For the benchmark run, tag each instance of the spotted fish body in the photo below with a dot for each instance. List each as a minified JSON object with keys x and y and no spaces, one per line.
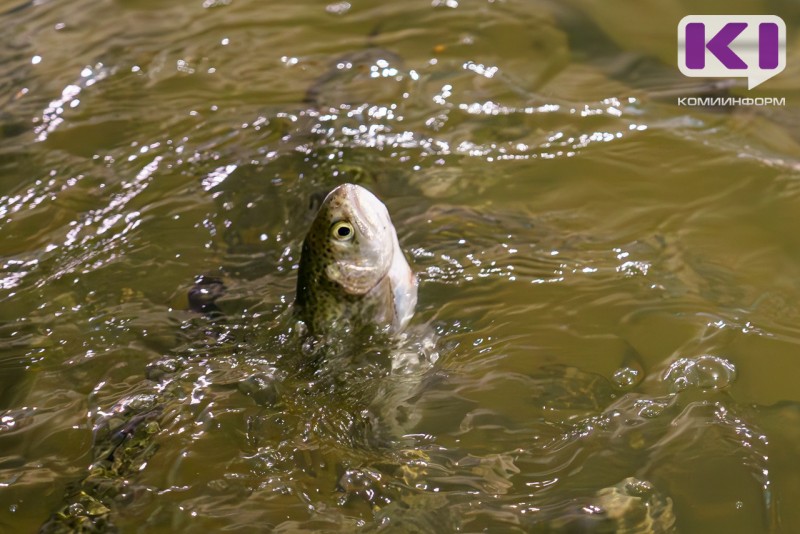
{"x":352,"y":271}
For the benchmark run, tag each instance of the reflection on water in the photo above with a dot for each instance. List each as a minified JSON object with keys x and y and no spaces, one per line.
{"x":607,"y":333}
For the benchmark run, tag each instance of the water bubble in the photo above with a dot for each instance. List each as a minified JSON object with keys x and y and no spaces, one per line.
{"x":650,"y":408}
{"x":76,"y":510}
{"x":704,"y":372}
{"x":626,"y":377}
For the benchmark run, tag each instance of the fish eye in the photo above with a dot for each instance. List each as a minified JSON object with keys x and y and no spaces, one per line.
{"x":343,"y":231}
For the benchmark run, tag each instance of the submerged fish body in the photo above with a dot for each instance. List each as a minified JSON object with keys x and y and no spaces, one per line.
{"x":352,"y":270}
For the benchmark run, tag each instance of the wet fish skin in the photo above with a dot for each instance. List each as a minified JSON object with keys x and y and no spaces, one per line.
{"x":354,"y":280}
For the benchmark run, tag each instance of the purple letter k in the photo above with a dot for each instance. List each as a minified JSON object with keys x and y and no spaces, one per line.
{"x":718,"y":45}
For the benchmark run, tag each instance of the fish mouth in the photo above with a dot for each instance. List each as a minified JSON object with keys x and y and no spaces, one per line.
{"x":355,"y":279}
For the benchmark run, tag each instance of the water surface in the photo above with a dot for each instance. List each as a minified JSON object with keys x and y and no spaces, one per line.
{"x":608,"y":281}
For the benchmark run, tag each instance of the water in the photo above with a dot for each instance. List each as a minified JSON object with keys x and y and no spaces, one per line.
{"x":609,"y":282}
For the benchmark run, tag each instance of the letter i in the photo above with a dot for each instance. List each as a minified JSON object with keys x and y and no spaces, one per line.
{"x":768,"y":45}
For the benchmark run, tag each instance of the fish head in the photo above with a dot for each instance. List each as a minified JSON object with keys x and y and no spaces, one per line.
{"x":353,"y":236}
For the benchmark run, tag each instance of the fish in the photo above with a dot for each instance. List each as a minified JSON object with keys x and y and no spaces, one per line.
{"x":353,"y":273}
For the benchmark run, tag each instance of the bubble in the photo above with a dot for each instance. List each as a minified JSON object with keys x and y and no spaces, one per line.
{"x":76,"y":510}
{"x":651,"y":408}
{"x":626,"y":377}
{"x":704,"y":372}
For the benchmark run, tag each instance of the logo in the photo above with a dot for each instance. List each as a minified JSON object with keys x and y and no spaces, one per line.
{"x":725,"y":46}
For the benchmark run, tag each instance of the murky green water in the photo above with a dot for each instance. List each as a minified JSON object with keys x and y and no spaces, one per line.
{"x":609,"y":282}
